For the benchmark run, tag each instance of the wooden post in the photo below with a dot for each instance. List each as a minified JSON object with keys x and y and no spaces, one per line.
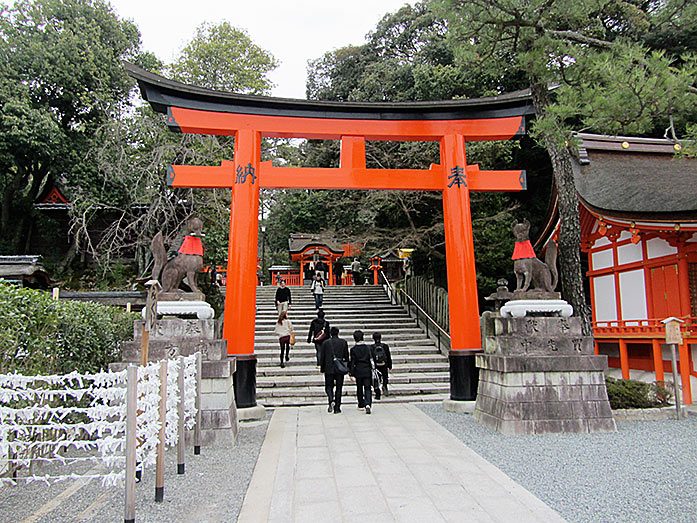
{"x":181,"y":437}
{"x":160,"y":463}
{"x":153,"y":287}
{"x":676,"y":382}
{"x":673,"y":339}
{"x":131,"y":436}
{"x":197,"y":427}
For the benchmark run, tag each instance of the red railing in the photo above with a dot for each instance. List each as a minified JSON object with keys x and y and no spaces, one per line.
{"x":291,"y":279}
{"x":649,"y":328}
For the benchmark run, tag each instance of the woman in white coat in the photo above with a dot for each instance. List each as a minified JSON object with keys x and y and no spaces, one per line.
{"x":284,"y":330}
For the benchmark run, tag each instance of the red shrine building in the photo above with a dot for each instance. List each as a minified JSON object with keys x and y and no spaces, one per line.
{"x":638,"y":210}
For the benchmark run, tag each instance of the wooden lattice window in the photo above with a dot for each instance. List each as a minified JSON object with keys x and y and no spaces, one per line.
{"x":692,"y":272}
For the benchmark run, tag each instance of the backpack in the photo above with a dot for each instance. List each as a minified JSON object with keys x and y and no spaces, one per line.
{"x":380,"y":354}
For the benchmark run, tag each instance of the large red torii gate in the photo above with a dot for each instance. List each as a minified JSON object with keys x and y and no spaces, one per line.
{"x":196,"y":110}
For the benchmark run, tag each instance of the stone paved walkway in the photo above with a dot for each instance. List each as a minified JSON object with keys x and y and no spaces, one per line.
{"x":395,"y":465}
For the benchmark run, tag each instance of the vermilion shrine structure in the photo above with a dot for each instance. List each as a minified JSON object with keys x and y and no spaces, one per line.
{"x":451,"y":123}
{"x":638,"y":212}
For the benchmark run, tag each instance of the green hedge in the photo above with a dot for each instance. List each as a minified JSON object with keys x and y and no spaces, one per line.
{"x":41,"y":335}
{"x":631,"y":394}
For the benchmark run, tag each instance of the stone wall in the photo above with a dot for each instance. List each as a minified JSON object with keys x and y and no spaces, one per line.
{"x":173,"y":337}
{"x":540,"y":375}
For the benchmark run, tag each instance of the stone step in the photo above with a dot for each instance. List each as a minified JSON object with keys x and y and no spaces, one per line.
{"x":335,"y":289}
{"x":396,"y":360}
{"x":309,"y":369}
{"x":272,"y":316}
{"x":306,"y":351}
{"x":342,"y":320}
{"x":348,"y":327}
{"x":345,"y":332}
{"x":350,"y":402}
{"x":350,"y":390}
{"x":317,"y":380}
{"x":392,"y":341}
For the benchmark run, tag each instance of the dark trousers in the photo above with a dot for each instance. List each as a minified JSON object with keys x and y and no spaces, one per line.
{"x":384,"y":377}
{"x":363,"y":391}
{"x":354,"y":276}
{"x":284,"y":343}
{"x":318,"y":300}
{"x":333,"y":385}
{"x":317,"y":349}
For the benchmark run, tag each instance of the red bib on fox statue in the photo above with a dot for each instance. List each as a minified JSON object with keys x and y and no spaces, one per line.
{"x":521,"y":250}
{"x":193,"y":245}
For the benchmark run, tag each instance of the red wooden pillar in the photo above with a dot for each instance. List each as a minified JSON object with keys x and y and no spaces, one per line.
{"x":240,"y":297}
{"x":684,"y":282}
{"x":685,"y":373}
{"x":658,"y":359}
{"x":624,"y":359}
{"x":462,"y":275}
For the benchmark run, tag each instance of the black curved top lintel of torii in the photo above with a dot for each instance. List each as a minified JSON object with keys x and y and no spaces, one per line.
{"x":163,"y":93}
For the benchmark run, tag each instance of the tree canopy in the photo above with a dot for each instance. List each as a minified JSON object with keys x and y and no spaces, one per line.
{"x":60,"y":79}
{"x":223,"y":57}
{"x":611,"y":80}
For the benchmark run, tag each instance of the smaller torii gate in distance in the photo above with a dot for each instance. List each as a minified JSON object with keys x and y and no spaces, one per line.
{"x":191,"y":109}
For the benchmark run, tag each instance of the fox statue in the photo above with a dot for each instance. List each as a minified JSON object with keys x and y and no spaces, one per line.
{"x":532,"y":273}
{"x":185,"y":264}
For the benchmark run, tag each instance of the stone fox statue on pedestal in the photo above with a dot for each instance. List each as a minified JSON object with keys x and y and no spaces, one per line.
{"x":532,"y":273}
{"x":186,"y":263}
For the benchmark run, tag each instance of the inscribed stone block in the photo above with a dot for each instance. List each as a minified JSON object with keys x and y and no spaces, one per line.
{"x":548,"y":426}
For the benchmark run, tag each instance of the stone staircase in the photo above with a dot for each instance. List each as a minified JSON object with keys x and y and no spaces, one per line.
{"x":419,"y":370}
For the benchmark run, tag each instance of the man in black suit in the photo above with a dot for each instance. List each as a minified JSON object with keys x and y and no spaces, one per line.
{"x":334,"y":347}
{"x":362,"y":369}
{"x":319,"y":332}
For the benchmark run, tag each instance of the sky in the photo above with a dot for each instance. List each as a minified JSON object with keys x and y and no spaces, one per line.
{"x":294,"y":31}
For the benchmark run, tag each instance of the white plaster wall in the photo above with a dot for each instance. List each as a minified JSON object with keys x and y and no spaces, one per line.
{"x":602,"y":259}
{"x":633,"y":296}
{"x":625,"y":235}
{"x":629,"y":253}
{"x":600,"y":242}
{"x":605,"y":298}
{"x":693,"y":238}
{"x":657,"y":247}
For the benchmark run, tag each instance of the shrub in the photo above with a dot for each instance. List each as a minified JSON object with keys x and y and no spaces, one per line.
{"x":41,"y":335}
{"x":632,"y":394}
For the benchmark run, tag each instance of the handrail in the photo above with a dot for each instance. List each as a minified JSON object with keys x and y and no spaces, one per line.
{"x":388,"y":285}
{"x":419,"y":309}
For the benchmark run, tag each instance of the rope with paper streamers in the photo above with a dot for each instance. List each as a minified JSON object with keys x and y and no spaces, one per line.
{"x":49,"y":418}
{"x":190,"y":380}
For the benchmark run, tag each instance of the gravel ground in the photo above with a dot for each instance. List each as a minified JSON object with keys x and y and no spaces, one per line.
{"x":647,"y":471}
{"x":212,"y":490}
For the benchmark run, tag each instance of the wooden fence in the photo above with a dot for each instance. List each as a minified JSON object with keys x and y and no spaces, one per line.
{"x":432,"y":299}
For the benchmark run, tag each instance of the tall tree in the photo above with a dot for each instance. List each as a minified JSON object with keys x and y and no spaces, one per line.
{"x":572,"y":44}
{"x":136,"y":149}
{"x":60,"y":79}
{"x":224,"y":57}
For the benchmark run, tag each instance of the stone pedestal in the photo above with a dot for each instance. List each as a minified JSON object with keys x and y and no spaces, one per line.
{"x":173,"y":337}
{"x":539,"y":375}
